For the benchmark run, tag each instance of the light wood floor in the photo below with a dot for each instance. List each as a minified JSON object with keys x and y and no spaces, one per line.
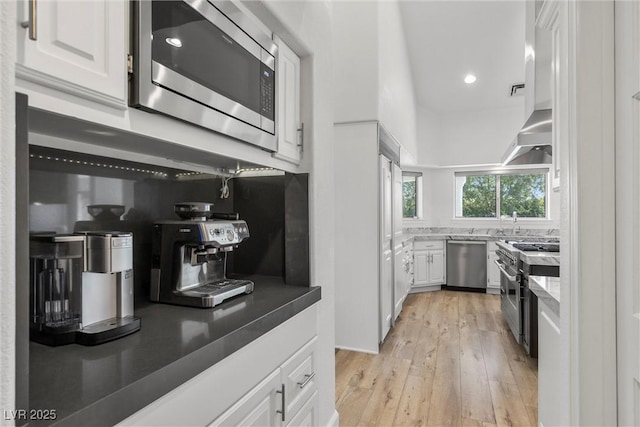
{"x":450,"y":361}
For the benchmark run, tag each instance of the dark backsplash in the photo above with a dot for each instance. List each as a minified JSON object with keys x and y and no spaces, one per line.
{"x":59,"y":193}
{"x":260,"y":202}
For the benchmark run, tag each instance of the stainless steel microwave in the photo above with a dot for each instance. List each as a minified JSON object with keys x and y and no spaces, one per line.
{"x":207,"y":63}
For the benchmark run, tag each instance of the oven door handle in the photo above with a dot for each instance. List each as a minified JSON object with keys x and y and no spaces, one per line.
{"x":505,"y":272}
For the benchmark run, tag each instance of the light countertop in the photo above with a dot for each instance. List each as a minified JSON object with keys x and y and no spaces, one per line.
{"x":547,"y":289}
{"x":534,"y":258}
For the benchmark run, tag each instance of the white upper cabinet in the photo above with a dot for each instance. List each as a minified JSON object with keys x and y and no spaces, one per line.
{"x":552,"y":19}
{"x":77,"y":47}
{"x":289,"y":128}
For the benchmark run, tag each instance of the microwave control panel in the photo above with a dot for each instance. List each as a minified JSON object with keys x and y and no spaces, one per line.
{"x":267,"y":92}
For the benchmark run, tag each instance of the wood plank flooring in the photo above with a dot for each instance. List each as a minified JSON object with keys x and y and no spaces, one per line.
{"x":451,"y":360}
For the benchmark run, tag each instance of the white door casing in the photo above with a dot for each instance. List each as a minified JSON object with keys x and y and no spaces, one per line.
{"x":627,"y":57}
{"x":400,"y":287}
{"x":583,"y":115}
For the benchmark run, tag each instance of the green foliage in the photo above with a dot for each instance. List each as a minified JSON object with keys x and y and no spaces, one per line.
{"x":409,"y":199}
{"x":524,"y":194}
{"x":479,"y":196}
{"x":521,"y":193}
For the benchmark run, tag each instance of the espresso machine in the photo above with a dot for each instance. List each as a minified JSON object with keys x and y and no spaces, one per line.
{"x":81,"y":287}
{"x":189,"y":257}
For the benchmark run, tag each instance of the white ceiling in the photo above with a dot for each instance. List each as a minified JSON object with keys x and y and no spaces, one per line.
{"x":448,"y":39}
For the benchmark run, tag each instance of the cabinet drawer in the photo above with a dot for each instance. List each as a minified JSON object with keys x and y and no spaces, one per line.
{"x":429,"y":244}
{"x":298,"y":376}
{"x":257,"y":408}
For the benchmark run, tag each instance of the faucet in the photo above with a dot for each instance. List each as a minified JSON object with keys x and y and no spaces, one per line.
{"x":500,"y":230}
{"x":514,"y":215}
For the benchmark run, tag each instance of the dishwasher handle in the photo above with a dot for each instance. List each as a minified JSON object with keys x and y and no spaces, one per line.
{"x":466,"y":242}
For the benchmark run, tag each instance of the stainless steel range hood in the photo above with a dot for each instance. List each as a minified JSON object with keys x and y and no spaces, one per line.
{"x":532,"y":145}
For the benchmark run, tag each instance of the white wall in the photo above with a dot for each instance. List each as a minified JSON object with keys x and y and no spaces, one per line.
{"x":357,"y":241}
{"x":355,"y":52}
{"x":467,"y":138}
{"x":372,"y":75}
{"x":429,"y":134}
{"x":396,"y":101}
{"x":7,"y":206}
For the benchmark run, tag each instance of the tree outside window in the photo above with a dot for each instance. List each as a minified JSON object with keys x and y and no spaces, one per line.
{"x":411,"y":198}
{"x":483,"y":195}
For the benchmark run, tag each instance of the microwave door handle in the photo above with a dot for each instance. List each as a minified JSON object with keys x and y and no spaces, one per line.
{"x":503,"y":271}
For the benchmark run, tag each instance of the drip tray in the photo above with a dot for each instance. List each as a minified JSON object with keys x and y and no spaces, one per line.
{"x":214,"y":293}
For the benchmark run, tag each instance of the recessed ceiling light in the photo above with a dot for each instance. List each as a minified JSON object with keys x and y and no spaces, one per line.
{"x":469,"y":78}
{"x":174,"y":41}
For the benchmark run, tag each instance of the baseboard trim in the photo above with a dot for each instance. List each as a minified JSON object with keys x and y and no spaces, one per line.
{"x":419,"y":289}
{"x":359,"y":350}
{"x":334,"y":421}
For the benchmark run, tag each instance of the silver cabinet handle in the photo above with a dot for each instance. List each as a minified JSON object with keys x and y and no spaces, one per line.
{"x":309,"y":377}
{"x":32,"y":23}
{"x":301,"y":131}
{"x":283,"y":403}
{"x":637,"y":96}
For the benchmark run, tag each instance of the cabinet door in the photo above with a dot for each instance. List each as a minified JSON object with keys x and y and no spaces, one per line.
{"x":550,"y":408}
{"x":308,"y":415}
{"x":298,"y":377}
{"x":436,"y":267}
{"x":386,"y":294}
{"x":400,"y":288}
{"x":80,"y":48}
{"x":420,"y":268}
{"x":288,"y":72}
{"x":259,"y":407}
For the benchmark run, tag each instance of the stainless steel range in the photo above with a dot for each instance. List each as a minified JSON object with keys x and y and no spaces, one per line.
{"x":518,"y":259}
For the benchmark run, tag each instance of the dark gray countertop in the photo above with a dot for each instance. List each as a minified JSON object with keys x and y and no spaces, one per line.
{"x":104,"y":384}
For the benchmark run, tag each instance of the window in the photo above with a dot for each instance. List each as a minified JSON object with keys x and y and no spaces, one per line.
{"x":491,"y":195}
{"x":411,"y":195}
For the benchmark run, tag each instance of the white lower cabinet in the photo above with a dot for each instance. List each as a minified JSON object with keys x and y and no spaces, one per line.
{"x":280,"y":397}
{"x":257,"y":408}
{"x":308,"y":414}
{"x":428,"y":263}
{"x":550,"y":399}
{"x":269,"y":382}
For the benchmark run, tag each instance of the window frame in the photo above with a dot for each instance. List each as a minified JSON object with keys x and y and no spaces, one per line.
{"x":498,"y":173}
{"x":419,"y":196}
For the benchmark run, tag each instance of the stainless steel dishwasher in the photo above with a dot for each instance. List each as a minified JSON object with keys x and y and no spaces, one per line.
{"x":467,"y":264}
